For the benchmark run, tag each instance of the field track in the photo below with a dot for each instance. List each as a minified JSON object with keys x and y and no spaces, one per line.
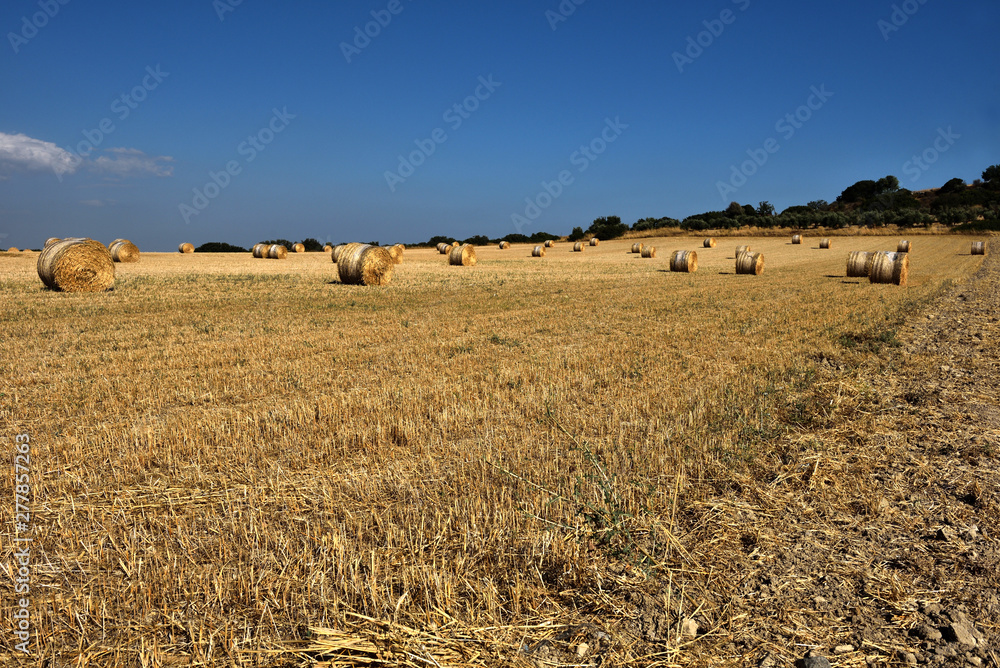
{"x":501,"y":464}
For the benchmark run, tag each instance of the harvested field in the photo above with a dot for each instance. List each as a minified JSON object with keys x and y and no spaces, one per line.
{"x":245,"y":463}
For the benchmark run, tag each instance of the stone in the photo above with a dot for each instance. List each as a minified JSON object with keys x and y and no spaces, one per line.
{"x":961,"y":634}
{"x":927,"y":632}
{"x":909,"y":658}
{"x":689,"y":627}
{"x":814,"y":662}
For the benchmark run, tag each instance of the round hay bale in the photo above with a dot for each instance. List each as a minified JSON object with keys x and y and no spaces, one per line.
{"x":742,"y":249}
{"x":709,"y":242}
{"x":578,"y":247}
{"x":51,"y":240}
{"x":859,"y":263}
{"x":686,"y":261}
{"x":595,"y":241}
{"x":538,"y":251}
{"x":299,"y":248}
{"x":463,"y":256}
{"x":979,"y":248}
{"x":649,"y":251}
{"x":13,"y":249}
{"x":796,"y":238}
{"x":637,"y":247}
{"x":396,"y":253}
{"x":277,"y":252}
{"x":363,"y":264}
{"x":260,"y":250}
{"x":903,"y":246}
{"x":123,"y":250}
{"x":549,"y":243}
{"x":186,"y":248}
{"x":504,"y":245}
{"x":824,"y":244}
{"x":890,"y":268}
{"x":339,"y":248}
{"x":750,"y":263}
{"x":443,"y":248}
{"x":327,"y":248}
{"x":77,"y":265}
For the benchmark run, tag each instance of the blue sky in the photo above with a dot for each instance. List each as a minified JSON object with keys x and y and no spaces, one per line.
{"x":304,"y":136}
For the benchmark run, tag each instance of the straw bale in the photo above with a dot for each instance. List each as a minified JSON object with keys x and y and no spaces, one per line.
{"x":538,"y":251}
{"x":578,"y":247}
{"x":463,"y":256}
{"x":649,"y":251}
{"x":903,"y":246}
{"x":277,"y":252}
{"x":824,"y":244}
{"x":890,"y":268}
{"x":685,"y":261}
{"x":750,"y":263}
{"x":859,"y":263}
{"x":979,"y":248}
{"x":77,"y":265}
{"x":123,"y":250}
{"x":637,"y":247}
{"x":364,"y":264}
{"x":595,"y":241}
{"x":186,"y":248}
{"x":709,"y":242}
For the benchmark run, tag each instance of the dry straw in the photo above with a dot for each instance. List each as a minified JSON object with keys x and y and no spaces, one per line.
{"x":443,"y":248}
{"x":51,"y":240}
{"x":299,"y":248}
{"x":260,"y":250}
{"x":750,"y":263}
{"x":903,"y":246}
{"x":709,"y":242}
{"x":686,"y":261}
{"x":649,"y":251}
{"x":538,"y":251}
{"x":549,"y":243}
{"x":979,"y":248}
{"x":742,"y":249}
{"x":796,"y":238}
{"x":277,"y":252}
{"x":327,"y":248}
{"x":12,"y":249}
{"x":77,"y":265}
{"x":462,"y":256}
{"x":186,"y":248}
{"x":396,"y":253}
{"x":363,"y":264}
{"x":578,"y":247}
{"x":504,"y":245}
{"x":890,"y":268}
{"x":859,"y":263}
{"x":824,"y":244}
{"x":595,"y":241}
{"x":637,"y":247}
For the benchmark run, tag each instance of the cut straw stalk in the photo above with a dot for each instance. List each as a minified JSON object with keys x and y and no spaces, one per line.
{"x":77,"y":265}
{"x":363,"y":264}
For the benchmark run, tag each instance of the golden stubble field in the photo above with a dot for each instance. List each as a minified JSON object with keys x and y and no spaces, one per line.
{"x":244,"y":462}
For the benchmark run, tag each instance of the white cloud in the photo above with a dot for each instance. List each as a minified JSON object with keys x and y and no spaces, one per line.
{"x":132,"y":162}
{"x":22,"y":153}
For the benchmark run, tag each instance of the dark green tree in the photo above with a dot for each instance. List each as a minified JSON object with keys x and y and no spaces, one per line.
{"x":312,"y":244}
{"x":991,"y":176}
{"x":219,"y":247}
{"x":608,"y":227}
{"x":765,"y":208}
{"x":576,"y":234}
